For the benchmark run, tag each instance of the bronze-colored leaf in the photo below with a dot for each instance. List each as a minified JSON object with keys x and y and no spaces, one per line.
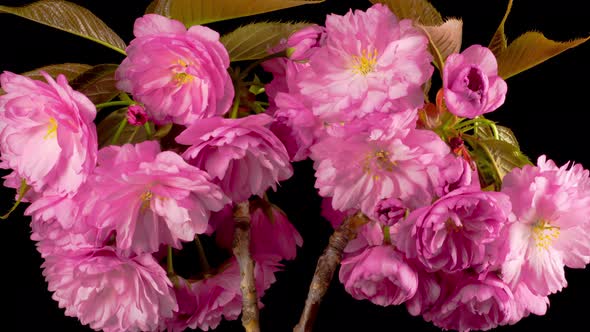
{"x":69,"y":70}
{"x":529,"y":50}
{"x":252,"y":41}
{"x":160,"y":7}
{"x":445,"y":39}
{"x":499,"y":42}
{"x":71,"y":18}
{"x":98,"y":83}
{"x":421,"y":11}
{"x":194,"y":12}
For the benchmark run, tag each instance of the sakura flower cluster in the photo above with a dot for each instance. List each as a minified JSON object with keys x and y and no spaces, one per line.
{"x":108,"y":220}
{"x":462,"y":256}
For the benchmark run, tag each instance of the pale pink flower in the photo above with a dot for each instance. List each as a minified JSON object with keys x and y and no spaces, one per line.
{"x":284,"y":72}
{"x":47,"y":134}
{"x":369,"y":62}
{"x":271,"y":232}
{"x":551,"y":207}
{"x":180,"y":76}
{"x":136,"y":115}
{"x":471,"y":83}
{"x":303,"y":43}
{"x":379,"y":274}
{"x":206,"y":301}
{"x":527,"y":303}
{"x":335,"y":217}
{"x":111,"y":292}
{"x":150,"y":197}
{"x":242,"y":155}
{"x":360,"y":169}
{"x":295,"y":125}
{"x":468,"y":303}
{"x":459,"y":231}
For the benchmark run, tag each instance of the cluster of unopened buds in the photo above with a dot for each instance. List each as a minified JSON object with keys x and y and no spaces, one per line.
{"x":433,"y":205}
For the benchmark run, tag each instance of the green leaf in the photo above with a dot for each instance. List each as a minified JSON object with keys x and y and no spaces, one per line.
{"x":445,"y":39}
{"x":98,"y":83}
{"x":194,"y":12}
{"x":495,"y":159}
{"x":420,"y":11}
{"x":69,"y":70}
{"x":71,"y":18}
{"x":107,"y":128}
{"x":505,"y":134}
{"x":252,"y":41}
{"x":499,"y":42}
{"x":529,"y":50}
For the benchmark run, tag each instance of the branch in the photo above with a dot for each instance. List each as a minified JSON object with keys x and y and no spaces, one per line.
{"x":325,"y":268}
{"x":241,"y":249}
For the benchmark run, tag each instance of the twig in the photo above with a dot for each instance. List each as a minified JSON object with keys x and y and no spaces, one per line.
{"x":325,"y":269}
{"x":241,"y":249}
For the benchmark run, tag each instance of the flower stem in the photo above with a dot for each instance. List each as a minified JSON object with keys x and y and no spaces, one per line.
{"x":119,"y":131}
{"x":203,"y":262}
{"x":148,"y":130}
{"x":169,"y":262}
{"x":325,"y":269}
{"x":115,"y":103}
{"x":241,"y":249}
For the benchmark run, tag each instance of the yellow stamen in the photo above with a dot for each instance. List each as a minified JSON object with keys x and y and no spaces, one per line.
{"x":378,"y":161}
{"x":183,"y":78}
{"x":452,"y":227}
{"x":365,"y":63}
{"x":146,"y":197}
{"x":544,"y":234}
{"x":51,"y":129}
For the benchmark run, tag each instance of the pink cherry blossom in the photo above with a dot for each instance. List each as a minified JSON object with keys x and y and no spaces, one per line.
{"x":284,"y":72}
{"x":242,"y":155}
{"x":111,"y":292}
{"x":360,"y":169}
{"x":271,"y":232}
{"x":459,"y":231}
{"x":205,"y":302}
{"x":471,"y":83}
{"x":180,"y":76}
{"x":389,"y":211}
{"x":471,"y":304}
{"x":551,"y":207}
{"x":303,"y":43}
{"x":380,"y":275}
{"x":150,"y":197}
{"x":47,"y":134}
{"x":428,"y":291}
{"x":369,"y":62}
{"x":294,"y":125}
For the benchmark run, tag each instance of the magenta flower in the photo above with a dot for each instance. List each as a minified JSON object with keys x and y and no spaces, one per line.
{"x":551,"y":207}
{"x":271,"y":231}
{"x":180,"y":76}
{"x":369,"y":62}
{"x":428,"y":291}
{"x":389,"y":211}
{"x":471,"y":83}
{"x":460,"y":230}
{"x":379,"y":274}
{"x":110,"y":292}
{"x":284,"y":72}
{"x":527,"y":303}
{"x":46,"y":133}
{"x":472,"y":304}
{"x":150,"y":197}
{"x":242,"y":155}
{"x":136,"y":115}
{"x":360,"y":169}
{"x":205,"y":302}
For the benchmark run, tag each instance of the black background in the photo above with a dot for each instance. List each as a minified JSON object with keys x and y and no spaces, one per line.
{"x":546,"y":107}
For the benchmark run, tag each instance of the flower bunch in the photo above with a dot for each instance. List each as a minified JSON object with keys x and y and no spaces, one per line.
{"x":434,"y":206}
